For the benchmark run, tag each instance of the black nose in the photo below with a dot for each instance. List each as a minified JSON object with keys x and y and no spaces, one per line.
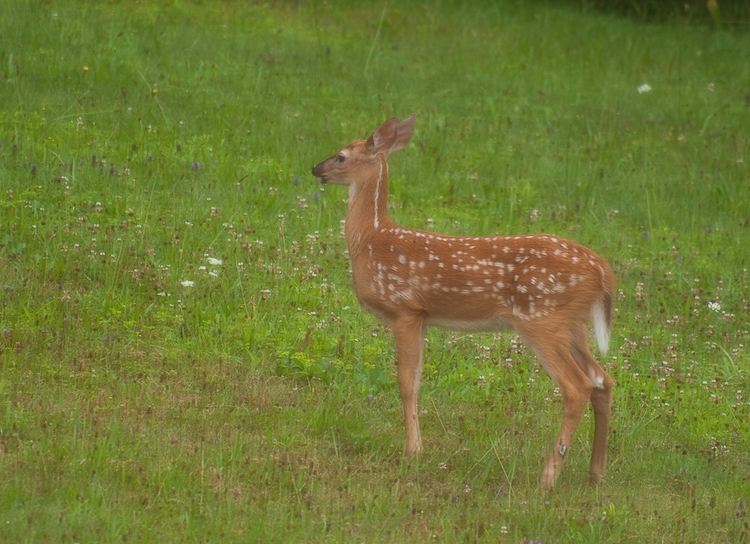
{"x":317,"y":171}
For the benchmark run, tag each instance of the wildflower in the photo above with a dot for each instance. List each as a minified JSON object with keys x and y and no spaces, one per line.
{"x":714,"y":306}
{"x":196,"y":165}
{"x":296,"y":180}
{"x":639,"y":295}
{"x":645,"y":88}
{"x":187,"y":283}
{"x":214,"y":262}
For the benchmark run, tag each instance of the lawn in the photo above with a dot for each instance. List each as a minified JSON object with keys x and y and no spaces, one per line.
{"x":182,"y":356}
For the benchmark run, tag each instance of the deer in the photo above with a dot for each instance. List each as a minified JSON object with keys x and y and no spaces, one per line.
{"x":545,"y":288}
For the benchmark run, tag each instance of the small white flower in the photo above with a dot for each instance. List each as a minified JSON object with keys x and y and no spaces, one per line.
{"x":714,"y":306}
{"x":187,"y":283}
{"x":214,"y":262}
{"x":645,"y":88}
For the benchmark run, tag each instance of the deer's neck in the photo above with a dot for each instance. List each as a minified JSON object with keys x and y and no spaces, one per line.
{"x":367,"y":212}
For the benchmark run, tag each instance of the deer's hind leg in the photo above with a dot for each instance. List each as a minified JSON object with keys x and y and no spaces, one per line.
{"x":553,"y":351}
{"x":601,"y":402}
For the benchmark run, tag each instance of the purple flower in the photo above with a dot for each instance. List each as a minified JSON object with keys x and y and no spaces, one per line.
{"x":196,"y":165}
{"x":296,"y":181}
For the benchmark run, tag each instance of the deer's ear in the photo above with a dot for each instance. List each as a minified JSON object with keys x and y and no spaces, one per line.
{"x":391,"y":135}
{"x":404,"y":132}
{"x":383,"y":138}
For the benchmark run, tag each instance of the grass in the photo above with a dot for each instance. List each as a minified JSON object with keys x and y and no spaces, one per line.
{"x":182,"y":357}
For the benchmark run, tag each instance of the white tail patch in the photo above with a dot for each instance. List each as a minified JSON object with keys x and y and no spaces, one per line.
{"x":601,"y":328}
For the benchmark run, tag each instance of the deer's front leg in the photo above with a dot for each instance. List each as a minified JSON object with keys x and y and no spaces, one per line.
{"x":409,"y":332}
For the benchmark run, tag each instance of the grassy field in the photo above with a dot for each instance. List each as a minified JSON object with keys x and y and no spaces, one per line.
{"x":182,"y":358}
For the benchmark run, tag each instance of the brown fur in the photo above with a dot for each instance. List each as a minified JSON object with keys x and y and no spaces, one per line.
{"x":546,"y":288}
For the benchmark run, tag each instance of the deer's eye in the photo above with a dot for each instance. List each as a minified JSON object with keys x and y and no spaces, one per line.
{"x":340,"y":157}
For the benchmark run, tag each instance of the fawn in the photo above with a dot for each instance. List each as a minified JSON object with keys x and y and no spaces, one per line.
{"x":546,"y":288}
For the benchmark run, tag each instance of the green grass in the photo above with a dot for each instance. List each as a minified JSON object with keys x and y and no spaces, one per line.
{"x":258,"y":403}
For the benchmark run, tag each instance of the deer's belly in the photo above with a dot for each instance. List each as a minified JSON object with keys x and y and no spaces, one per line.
{"x":489,"y":324}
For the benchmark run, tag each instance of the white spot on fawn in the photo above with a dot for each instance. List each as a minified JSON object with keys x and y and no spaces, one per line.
{"x":598,"y":381}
